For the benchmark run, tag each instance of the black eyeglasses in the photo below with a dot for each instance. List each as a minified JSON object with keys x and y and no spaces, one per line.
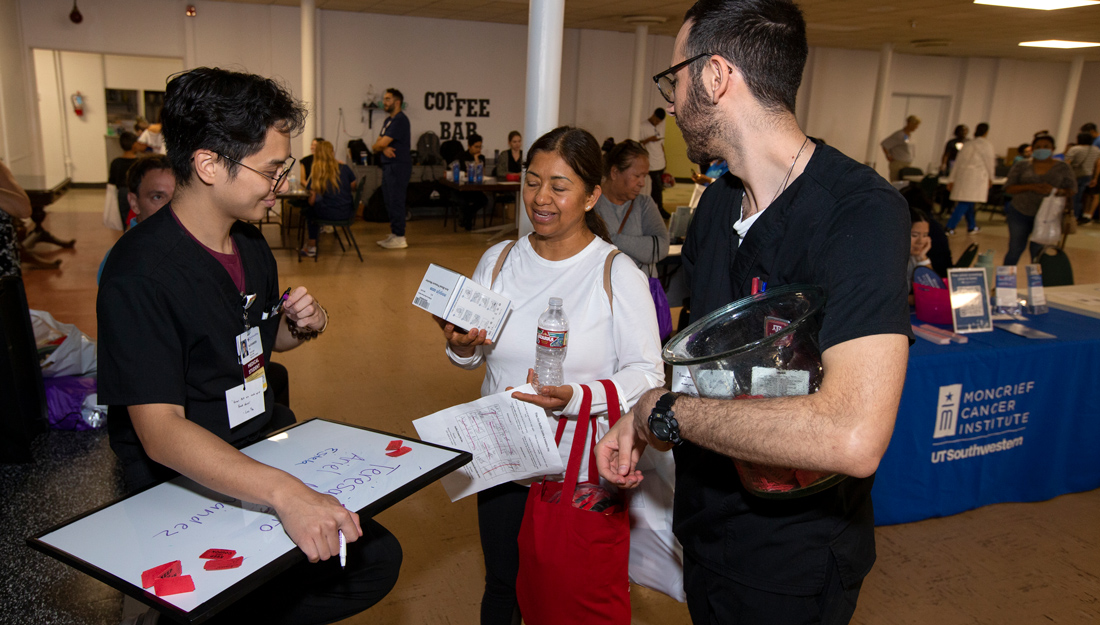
{"x":666,"y":81}
{"x":279,"y":176}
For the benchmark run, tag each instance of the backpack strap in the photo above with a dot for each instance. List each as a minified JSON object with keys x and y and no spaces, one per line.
{"x":607,"y":277}
{"x":500,"y":262}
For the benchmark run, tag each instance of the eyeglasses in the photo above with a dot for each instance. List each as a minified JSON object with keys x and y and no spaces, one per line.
{"x":277,"y":179}
{"x":666,"y":81}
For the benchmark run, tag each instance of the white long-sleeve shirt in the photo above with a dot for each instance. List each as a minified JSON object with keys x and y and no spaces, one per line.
{"x":623,"y":347}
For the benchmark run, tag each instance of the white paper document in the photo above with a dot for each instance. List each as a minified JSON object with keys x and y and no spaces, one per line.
{"x":452,"y":296}
{"x":509,"y":439}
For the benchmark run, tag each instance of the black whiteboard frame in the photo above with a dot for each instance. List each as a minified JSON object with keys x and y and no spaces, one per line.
{"x":227,"y":597}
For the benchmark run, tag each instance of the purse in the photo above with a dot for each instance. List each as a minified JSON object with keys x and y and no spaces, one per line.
{"x":573,"y":561}
{"x":656,"y":289}
{"x":1048,"y":221}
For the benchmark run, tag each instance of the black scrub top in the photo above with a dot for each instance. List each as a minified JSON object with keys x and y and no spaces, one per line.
{"x":839,"y":226}
{"x":169,"y":317}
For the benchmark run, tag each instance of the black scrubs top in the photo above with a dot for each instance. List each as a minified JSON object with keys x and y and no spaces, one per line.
{"x":842,"y":227}
{"x":169,"y":317}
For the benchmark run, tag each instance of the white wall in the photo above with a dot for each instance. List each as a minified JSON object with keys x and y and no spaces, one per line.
{"x":142,"y":73}
{"x":51,"y":116}
{"x":1088,"y":101}
{"x":487,"y":61}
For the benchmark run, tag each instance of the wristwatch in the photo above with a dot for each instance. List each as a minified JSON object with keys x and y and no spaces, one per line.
{"x":662,"y":420}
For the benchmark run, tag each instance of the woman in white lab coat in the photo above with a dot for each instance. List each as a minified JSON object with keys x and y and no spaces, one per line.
{"x":971,"y":178}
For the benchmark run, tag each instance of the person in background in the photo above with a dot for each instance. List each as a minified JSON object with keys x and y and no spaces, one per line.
{"x":970,"y":178}
{"x":564,"y":257}
{"x":510,"y":161}
{"x":653,"y":138}
{"x":716,"y":170}
{"x":116,"y":173}
{"x":1029,"y":182}
{"x":1082,"y":158}
{"x":1023,"y":152}
{"x":951,"y":149}
{"x":898,"y":147}
{"x":470,"y":202}
{"x":1092,"y":131}
{"x":152,"y":140}
{"x":307,"y":162}
{"x":791,"y":211}
{"x":920,"y":242}
{"x":632,"y":219}
{"x":394,"y":149}
{"x":14,"y":204}
{"x":330,"y":193}
{"x":150,"y":185}
{"x":171,"y":315}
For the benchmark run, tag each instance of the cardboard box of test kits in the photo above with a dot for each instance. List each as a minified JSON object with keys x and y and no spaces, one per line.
{"x":459,"y":300}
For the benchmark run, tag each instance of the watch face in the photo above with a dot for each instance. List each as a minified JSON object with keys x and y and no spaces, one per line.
{"x":659,"y":427}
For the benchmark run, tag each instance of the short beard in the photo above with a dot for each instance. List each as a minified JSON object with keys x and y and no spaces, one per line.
{"x":699,"y":126}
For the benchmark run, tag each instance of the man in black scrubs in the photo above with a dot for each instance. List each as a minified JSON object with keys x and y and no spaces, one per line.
{"x":791,"y":210}
{"x":179,"y":296}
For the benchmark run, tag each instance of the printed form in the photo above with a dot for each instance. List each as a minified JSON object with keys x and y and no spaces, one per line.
{"x":509,"y":439}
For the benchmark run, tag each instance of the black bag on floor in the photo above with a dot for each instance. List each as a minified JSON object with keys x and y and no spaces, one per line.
{"x":23,"y":409}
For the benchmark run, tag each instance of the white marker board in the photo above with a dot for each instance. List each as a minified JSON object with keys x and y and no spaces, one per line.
{"x":179,"y":520}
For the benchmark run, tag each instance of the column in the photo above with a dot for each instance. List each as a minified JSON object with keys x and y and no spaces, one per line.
{"x":882,"y":95}
{"x":545,"y":28}
{"x":309,"y":84}
{"x":641,"y":37}
{"x":1073,"y":82}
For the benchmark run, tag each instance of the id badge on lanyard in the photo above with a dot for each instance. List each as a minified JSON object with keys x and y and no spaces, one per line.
{"x":246,"y":402}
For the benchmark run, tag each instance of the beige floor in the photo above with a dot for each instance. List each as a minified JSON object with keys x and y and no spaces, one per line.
{"x":381,"y":364}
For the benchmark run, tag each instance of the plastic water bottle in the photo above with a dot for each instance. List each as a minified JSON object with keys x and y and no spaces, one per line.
{"x":292,"y":182}
{"x":455,"y":170}
{"x":551,"y":344}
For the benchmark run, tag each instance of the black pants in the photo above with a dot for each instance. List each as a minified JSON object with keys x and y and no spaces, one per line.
{"x":322,"y":592}
{"x":395,"y":186}
{"x":499,"y":515}
{"x":716,"y":600}
{"x":657,"y":193}
{"x":124,"y":206}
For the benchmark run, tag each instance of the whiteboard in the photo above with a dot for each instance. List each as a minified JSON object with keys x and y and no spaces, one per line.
{"x":179,"y":519}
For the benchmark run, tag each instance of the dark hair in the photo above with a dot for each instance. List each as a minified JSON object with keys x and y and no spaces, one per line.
{"x":765,"y":39}
{"x":472,"y":139}
{"x":513,"y":135}
{"x":1084,"y":138}
{"x":917,"y":215}
{"x":659,"y":113}
{"x":1023,"y":146}
{"x":960,"y":130}
{"x":318,"y":139}
{"x":395,"y":93}
{"x":1089,"y":128}
{"x":226,"y":112}
{"x":142,"y":166}
{"x":1039,"y":138}
{"x":608,"y":143}
{"x":981,"y":129}
{"x":126,"y":141}
{"x":579,"y":149}
{"x":622,"y":155}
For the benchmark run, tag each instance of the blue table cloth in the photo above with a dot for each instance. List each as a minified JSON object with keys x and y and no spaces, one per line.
{"x":1002,"y":418}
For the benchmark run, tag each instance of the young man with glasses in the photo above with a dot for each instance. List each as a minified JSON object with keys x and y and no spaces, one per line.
{"x":178,"y":297}
{"x":794,"y":211}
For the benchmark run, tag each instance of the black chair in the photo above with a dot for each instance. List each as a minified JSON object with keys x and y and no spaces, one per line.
{"x":23,"y":408}
{"x":910,"y":171}
{"x":966,"y":259}
{"x":337,"y":226}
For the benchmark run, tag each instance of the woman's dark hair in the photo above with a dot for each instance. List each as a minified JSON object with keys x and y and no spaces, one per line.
{"x":579,"y":149}
{"x":1084,"y":138}
{"x":472,"y":139}
{"x":622,"y":155}
{"x":1023,"y":146}
{"x":764,"y":39}
{"x":917,"y":215}
{"x":225,"y":112}
{"x":513,"y":135}
{"x":1039,"y":138}
{"x":960,"y":130}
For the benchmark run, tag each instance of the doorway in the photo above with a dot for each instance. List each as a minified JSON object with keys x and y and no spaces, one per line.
{"x":928,"y":140}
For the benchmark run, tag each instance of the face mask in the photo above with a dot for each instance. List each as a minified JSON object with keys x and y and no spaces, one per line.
{"x":1041,"y":154}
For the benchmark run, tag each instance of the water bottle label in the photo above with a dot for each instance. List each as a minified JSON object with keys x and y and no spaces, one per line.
{"x":546,"y":338}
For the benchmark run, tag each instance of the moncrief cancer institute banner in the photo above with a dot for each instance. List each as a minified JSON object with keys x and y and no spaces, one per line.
{"x":1002,"y":418}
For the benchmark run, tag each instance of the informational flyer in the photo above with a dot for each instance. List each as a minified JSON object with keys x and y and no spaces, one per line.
{"x":970,"y":310}
{"x":1007,"y":301}
{"x":452,"y":296}
{"x":509,"y":439}
{"x":1036,"y":299}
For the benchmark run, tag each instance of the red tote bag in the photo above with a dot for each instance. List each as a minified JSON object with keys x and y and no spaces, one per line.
{"x":573,"y":562}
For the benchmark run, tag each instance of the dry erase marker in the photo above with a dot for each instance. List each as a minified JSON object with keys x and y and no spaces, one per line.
{"x":343,"y":550}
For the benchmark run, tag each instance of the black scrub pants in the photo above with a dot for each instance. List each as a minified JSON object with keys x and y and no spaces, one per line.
{"x":395,"y":186}
{"x":717,"y":600}
{"x":656,"y":177}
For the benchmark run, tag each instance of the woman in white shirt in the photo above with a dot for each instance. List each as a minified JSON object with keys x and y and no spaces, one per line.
{"x":564,"y":257}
